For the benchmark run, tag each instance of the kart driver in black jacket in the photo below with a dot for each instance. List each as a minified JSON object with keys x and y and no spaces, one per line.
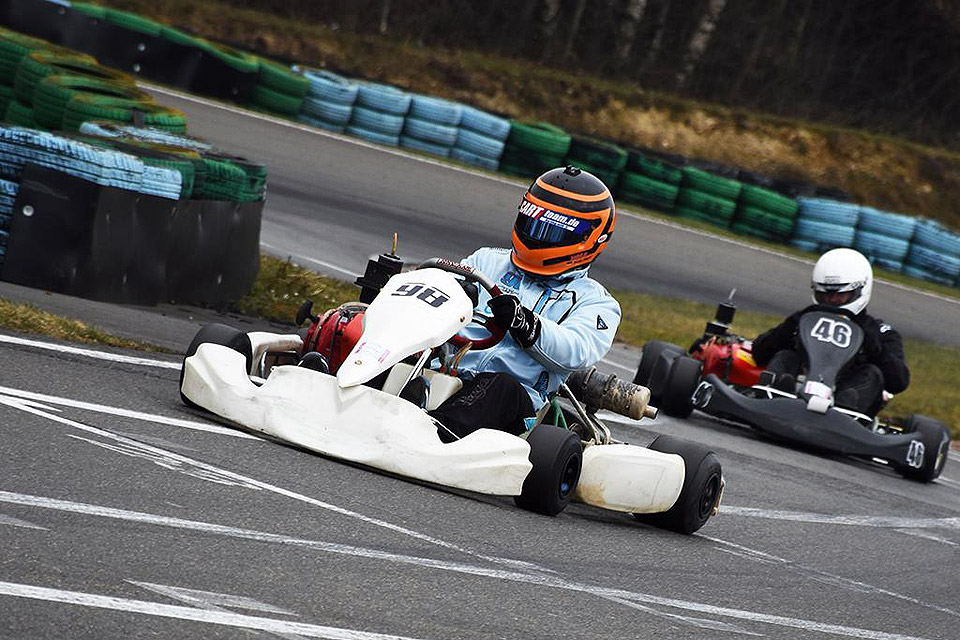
{"x":842,"y":282}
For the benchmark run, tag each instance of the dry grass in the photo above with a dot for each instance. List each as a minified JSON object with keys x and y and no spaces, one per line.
{"x":27,"y":318}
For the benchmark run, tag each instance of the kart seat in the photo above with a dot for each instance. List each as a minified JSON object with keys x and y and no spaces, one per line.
{"x":442,"y":386}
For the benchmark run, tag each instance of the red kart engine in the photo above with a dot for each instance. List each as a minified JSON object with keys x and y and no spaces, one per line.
{"x":724,"y":354}
{"x":334,"y":335}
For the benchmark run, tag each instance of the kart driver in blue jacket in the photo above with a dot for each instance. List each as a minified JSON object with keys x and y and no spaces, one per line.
{"x":558,"y":319}
{"x":842,"y":282}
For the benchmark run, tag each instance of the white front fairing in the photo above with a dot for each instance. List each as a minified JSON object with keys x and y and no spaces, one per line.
{"x":359,"y":424}
{"x":433,"y":307}
{"x":628,"y":478}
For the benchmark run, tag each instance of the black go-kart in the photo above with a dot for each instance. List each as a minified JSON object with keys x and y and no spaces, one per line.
{"x":805,"y":413}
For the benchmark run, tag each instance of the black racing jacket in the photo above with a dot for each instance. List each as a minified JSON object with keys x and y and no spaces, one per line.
{"x":882,"y":346}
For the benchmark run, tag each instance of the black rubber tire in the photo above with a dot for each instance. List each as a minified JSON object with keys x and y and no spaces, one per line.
{"x":557,"y":457}
{"x":702,"y":484}
{"x":676,"y":396}
{"x":936,"y":442}
{"x":648,"y":357}
{"x":216,"y":334}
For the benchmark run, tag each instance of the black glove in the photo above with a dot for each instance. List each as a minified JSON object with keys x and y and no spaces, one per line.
{"x":523,"y":324}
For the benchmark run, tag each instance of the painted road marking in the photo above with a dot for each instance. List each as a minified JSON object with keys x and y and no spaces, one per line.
{"x":822,"y":576}
{"x":534,"y":579}
{"x":212,"y":600}
{"x":885,"y":522}
{"x":126,"y":413}
{"x":188,"y":613}
{"x":90,"y":353}
{"x":10,"y":521}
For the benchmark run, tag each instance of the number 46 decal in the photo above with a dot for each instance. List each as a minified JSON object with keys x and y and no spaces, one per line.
{"x":833,"y":331}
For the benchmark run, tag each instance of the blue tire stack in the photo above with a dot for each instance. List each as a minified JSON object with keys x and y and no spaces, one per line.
{"x":431,"y":125}
{"x":480,"y":139}
{"x":824,"y":224}
{"x":329,"y":102}
{"x":8,"y":195}
{"x":934,"y":254}
{"x":379,"y":113}
{"x":884,"y":237}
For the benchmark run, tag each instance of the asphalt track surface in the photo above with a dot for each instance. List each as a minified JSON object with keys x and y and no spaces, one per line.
{"x":123,"y":514}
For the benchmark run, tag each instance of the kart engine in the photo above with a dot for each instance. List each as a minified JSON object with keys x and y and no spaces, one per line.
{"x":600,"y":391}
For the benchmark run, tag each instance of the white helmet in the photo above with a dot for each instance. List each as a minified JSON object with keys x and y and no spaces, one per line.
{"x":840,"y":271}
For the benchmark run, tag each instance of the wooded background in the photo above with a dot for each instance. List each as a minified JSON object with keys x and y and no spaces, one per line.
{"x":889,"y":66}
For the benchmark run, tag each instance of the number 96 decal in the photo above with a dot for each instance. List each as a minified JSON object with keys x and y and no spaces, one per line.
{"x":836,"y":332}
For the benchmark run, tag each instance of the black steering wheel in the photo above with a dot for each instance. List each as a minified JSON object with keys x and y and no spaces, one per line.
{"x":487,"y":322}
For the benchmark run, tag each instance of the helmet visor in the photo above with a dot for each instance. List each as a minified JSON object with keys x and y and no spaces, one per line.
{"x":541,"y":228}
{"x":836,"y":294}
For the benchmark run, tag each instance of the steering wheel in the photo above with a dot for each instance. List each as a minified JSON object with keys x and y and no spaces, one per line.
{"x":487,"y":322}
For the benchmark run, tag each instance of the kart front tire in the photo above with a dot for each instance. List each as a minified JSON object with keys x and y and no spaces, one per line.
{"x":702,"y":487}
{"x":936,"y":443}
{"x":676,"y":399}
{"x":557,"y":457}
{"x":220,"y":334}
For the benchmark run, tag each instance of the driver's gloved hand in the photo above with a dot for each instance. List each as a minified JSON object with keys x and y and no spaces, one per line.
{"x":522,"y":323}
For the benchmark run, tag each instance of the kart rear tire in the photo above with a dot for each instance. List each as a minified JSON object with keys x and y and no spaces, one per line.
{"x":216,"y":334}
{"x":557,"y":457}
{"x":702,"y":486}
{"x":936,"y":442}
{"x":648,"y":358}
{"x":676,"y":398}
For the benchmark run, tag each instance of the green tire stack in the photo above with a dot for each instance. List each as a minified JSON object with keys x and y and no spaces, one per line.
{"x":278,"y":89}
{"x":706,"y":197}
{"x":649,"y":182}
{"x":231,"y":178}
{"x":765,"y":214}
{"x":533,"y":148}
{"x":14,"y":47}
{"x":603,"y":159}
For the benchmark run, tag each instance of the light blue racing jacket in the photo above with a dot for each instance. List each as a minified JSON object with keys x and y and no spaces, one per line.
{"x":578,"y":320}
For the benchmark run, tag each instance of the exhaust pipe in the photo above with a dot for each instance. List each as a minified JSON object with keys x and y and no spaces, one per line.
{"x":599,"y":391}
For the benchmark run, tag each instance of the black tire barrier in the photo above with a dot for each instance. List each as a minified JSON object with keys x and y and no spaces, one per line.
{"x":75,"y":237}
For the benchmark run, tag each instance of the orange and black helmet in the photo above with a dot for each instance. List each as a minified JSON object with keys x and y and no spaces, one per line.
{"x":564,"y":222}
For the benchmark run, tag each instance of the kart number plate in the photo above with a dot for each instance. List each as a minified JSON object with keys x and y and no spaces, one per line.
{"x":836,"y":332}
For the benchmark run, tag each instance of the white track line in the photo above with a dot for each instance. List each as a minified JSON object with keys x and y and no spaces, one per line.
{"x":538,"y":580}
{"x":188,"y":613}
{"x":90,"y":353}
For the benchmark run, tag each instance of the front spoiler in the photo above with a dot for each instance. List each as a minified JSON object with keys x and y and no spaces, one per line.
{"x":788,"y":419}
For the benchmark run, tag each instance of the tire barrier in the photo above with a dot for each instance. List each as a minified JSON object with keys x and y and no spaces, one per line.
{"x":73,"y":236}
{"x":431,"y":125}
{"x":824,"y":217}
{"x":329,"y":101}
{"x":706,"y":197}
{"x":764,"y":213}
{"x":649,"y":181}
{"x":379,"y":113}
{"x":481,"y":138}
{"x":533,"y":148}
{"x":603,"y":159}
{"x":279,"y":89}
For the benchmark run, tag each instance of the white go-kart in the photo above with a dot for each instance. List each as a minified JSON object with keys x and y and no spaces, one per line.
{"x":252,"y":380}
